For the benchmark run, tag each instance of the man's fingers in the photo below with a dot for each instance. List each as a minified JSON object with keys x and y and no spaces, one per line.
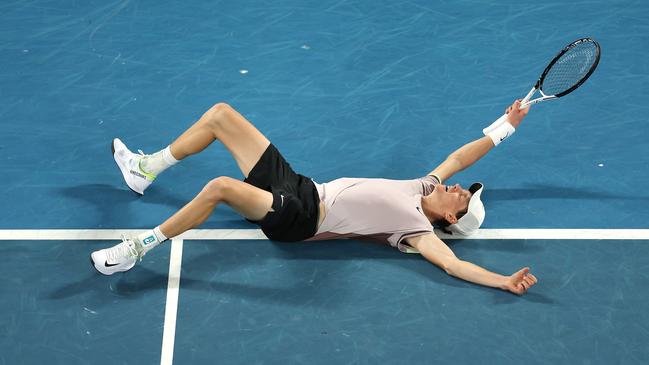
{"x":533,"y":278}
{"x":529,"y":281}
{"x":523,"y":288}
{"x":518,"y":288}
{"x":515,"y":106}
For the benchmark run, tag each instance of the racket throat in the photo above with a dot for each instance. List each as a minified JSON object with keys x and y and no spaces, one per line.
{"x":528,"y":96}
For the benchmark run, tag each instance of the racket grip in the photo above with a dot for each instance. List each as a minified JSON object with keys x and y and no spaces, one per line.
{"x":495,"y":124}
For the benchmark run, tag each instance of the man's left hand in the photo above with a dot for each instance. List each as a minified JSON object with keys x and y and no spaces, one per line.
{"x":514,"y":115}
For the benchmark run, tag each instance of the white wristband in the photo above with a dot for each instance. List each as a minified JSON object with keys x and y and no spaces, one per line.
{"x":501,"y":133}
{"x":497,"y":123}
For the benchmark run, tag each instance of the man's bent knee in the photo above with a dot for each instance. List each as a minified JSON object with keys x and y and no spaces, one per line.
{"x":218,"y":114}
{"x":217,"y":189}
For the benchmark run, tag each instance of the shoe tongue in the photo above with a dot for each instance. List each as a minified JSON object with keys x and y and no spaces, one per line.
{"x":138,"y":246}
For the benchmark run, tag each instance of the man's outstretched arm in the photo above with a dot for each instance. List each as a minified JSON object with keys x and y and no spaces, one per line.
{"x":471,"y":152}
{"x":437,"y":252}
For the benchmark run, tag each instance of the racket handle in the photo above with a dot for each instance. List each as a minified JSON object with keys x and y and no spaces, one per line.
{"x":525,"y":102}
{"x":495,"y":124}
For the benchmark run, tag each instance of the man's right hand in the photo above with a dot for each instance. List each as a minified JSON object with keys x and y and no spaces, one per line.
{"x":514,"y":115}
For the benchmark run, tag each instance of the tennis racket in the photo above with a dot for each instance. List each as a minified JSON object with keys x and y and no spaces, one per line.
{"x":564,"y":74}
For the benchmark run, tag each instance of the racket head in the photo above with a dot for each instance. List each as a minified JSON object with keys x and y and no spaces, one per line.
{"x":570,"y":68}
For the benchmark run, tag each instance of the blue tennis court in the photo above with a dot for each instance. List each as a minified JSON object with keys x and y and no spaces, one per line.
{"x":342,"y":88}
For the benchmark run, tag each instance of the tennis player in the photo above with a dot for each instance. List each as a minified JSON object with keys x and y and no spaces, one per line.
{"x":291,"y":207}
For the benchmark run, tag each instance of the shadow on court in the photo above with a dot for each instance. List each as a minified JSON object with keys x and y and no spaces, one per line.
{"x":102,"y":194}
{"x":357,"y":250}
{"x":288,"y":274}
{"x":545,"y":191}
{"x":312,"y":271}
{"x":131,"y":285}
{"x":120,"y":207}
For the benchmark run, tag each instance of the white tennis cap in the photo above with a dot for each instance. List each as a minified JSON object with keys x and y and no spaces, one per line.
{"x":471,"y":221}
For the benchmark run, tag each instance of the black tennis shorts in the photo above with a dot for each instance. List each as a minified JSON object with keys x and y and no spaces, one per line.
{"x":295,"y":198}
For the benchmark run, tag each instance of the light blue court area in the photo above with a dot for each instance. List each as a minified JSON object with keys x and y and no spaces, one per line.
{"x":342,"y":88}
{"x":339,"y":302}
{"x":56,"y":311}
{"x":252,"y":301}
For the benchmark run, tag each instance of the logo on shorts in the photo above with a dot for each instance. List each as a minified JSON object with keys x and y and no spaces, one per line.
{"x":281,"y":196}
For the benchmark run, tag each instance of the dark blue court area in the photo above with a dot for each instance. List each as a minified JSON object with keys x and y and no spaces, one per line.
{"x":342,"y":88}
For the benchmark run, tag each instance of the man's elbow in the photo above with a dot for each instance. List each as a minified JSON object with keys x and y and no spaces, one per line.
{"x":455,"y":160}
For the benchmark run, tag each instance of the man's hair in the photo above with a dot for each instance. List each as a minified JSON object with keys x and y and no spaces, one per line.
{"x":443,"y":223}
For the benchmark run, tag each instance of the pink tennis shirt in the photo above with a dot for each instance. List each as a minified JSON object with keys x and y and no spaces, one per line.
{"x":383,"y":210}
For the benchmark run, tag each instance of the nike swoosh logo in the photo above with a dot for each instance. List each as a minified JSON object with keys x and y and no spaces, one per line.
{"x":502,"y":139}
{"x":109,"y":265}
{"x":282,"y":196}
{"x":419,"y":209}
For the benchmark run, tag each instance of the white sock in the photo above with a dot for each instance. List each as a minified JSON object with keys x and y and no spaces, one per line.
{"x":151,"y":239}
{"x":158,"y":162}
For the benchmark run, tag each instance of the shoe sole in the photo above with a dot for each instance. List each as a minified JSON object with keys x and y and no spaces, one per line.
{"x":112,"y":148}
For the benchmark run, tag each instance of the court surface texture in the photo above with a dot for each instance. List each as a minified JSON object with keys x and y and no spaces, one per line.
{"x":342,"y":88}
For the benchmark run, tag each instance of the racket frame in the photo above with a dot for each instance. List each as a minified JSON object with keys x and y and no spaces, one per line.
{"x":539,"y":83}
{"x":526,"y":102}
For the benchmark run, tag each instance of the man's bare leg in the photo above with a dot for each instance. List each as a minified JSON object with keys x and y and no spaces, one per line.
{"x":247,"y":200}
{"x":245,"y":143}
{"x":221,"y":122}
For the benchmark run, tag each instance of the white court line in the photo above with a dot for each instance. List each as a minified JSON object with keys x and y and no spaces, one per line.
{"x":256,"y":234}
{"x":169,"y":331}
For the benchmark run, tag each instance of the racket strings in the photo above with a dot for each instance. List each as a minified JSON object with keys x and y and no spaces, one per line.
{"x":570,"y":68}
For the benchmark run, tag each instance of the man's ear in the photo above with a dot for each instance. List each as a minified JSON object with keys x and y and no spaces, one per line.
{"x":450,"y":217}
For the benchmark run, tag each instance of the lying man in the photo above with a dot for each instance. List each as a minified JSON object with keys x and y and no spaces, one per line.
{"x":291,"y":207}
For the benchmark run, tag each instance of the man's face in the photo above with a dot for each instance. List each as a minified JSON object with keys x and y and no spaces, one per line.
{"x":452,"y":198}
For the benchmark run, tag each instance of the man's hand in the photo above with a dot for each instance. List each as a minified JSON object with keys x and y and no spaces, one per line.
{"x":519,"y":282}
{"x":515,"y":115}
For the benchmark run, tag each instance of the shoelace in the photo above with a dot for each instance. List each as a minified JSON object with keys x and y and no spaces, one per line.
{"x":125,"y":249}
{"x":139,"y":165}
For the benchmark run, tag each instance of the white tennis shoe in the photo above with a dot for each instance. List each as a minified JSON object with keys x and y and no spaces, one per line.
{"x":119,"y":258}
{"x":129,"y":164}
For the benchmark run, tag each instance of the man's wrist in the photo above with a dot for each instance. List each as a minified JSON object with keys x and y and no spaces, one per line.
{"x":501,"y":133}
{"x":504,"y":284}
